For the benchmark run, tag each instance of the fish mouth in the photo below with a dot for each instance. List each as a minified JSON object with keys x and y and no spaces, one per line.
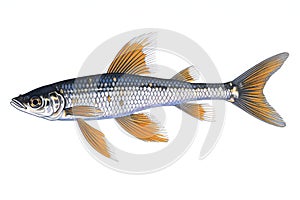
{"x":17,"y":104}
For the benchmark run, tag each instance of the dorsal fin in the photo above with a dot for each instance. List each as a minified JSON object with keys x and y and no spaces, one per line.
{"x":188,"y":74}
{"x":135,"y":56}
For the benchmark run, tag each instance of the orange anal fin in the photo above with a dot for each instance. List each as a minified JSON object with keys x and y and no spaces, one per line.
{"x":95,"y":138}
{"x":142,"y":127}
{"x":199,"y":111}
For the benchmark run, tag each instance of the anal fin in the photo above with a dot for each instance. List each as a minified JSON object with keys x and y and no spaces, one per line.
{"x":142,"y":127}
{"x":199,"y":111}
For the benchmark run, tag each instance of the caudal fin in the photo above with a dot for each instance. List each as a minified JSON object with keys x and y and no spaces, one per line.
{"x":249,"y":90}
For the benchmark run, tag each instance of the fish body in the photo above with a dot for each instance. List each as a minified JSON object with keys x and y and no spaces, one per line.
{"x":125,"y":90}
{"x":118,"y":94}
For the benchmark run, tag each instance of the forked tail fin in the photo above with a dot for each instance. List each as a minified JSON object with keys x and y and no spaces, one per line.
{"x":249,"y":90}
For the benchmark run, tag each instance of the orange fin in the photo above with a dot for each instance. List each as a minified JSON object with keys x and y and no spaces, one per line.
{"x":248,"y":90}
{"x":199,"y":111}
{"x":83,"y":111}
{"x":142,"y":127}
{"x":135,"y":56}
{"x":95,"y":138}
{"x":188,"y":74}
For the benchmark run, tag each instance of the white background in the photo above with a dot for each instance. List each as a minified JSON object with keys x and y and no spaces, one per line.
{"x":42,"y":43}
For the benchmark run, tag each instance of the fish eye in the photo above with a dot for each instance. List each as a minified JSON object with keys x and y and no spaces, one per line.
{"x":35,"y":102}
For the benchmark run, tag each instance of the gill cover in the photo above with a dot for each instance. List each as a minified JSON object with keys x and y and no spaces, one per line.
{"x":56,"y":105}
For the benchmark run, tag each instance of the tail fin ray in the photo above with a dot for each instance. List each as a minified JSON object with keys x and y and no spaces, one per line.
{"x":250,"y":87}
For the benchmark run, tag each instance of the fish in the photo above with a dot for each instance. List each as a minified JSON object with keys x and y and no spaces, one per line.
{"x":126,"y":90}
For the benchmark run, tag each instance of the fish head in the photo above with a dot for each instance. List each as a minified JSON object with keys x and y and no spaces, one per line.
{"x":45,"y":102}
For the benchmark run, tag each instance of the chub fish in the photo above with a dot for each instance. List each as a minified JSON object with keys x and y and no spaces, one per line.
{"x":125,"y":90}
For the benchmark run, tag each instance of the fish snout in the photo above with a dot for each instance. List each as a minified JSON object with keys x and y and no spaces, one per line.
{"x":17,"y":102}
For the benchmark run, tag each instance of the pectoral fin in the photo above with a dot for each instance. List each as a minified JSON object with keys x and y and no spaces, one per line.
{"x":142,"y":127}
{"x":83,"y":111}
{"x":95,"y":138}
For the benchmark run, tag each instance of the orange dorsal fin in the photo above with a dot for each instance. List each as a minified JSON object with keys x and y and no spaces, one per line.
{"x":135,"y":56}
{"x":188,"y":74}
